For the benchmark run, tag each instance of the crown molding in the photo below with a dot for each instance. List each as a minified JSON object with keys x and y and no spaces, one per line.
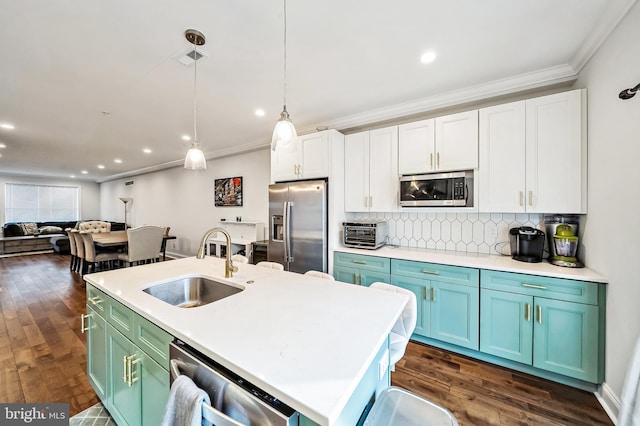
{"x":532,"y":80}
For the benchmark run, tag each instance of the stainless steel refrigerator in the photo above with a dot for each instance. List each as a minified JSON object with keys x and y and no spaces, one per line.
{"x":298,"y":225}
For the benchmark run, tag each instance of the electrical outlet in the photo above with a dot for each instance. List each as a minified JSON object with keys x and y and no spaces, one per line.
{"x":490,"y":232}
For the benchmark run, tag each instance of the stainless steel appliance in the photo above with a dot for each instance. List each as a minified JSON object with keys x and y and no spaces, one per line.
{"x":367,"y":234}
{"x":527,"y":244}
{"x":298,"y":225}
{"x":234,"y":401}
{"x":453,"y":189}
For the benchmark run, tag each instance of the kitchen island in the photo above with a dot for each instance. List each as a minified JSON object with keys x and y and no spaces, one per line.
{"x":311,"y":343}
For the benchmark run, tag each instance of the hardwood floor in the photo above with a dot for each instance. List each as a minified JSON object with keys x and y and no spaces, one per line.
{"x":43,"y":359}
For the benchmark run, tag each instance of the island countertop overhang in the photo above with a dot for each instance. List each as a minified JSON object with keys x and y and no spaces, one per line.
{"x":305,"y":340}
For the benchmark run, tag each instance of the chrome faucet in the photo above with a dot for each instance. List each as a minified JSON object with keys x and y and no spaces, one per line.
{"x":229,"y":269}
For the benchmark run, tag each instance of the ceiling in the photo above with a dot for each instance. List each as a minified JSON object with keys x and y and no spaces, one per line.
{"x":86,"y":82}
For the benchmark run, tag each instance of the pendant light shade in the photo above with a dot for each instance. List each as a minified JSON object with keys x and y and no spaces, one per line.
{"x":195,"y":160}
{"x":284,"y":133}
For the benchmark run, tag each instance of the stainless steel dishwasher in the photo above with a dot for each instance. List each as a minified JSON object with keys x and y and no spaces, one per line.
{"x":234,"y":401}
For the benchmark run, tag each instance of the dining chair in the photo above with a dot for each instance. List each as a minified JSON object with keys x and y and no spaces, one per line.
{"x":72,"y":249}
{"x":144,"y":244}
{"x":272,"y":265}
{"x":404,"y":326}
{"x":91,"y":258}
{"x":240,"y":258}
{"x":319,"y":274}
{"x":79,"y":250}
{"x":95,"y":226}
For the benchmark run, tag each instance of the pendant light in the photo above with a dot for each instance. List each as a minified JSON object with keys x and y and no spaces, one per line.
{"x":284,"y":133}
{"x":194,"y":160}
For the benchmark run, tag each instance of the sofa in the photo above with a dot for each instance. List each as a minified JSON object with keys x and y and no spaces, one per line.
{"x":23,"y":237}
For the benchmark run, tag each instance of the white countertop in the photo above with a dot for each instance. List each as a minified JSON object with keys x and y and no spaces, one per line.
{"x":481,"y":261}
{"x":305,"y":340}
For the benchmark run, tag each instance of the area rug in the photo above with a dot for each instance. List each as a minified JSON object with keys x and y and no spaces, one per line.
{"x":95,"y":415}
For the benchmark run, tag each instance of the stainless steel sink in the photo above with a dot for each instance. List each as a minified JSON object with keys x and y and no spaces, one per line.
{"x":189,"y":292}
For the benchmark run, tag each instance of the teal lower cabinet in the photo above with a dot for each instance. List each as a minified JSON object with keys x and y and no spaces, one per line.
{"x":96,"y":328}
{"x":552,"y":324}
{"x":448,"y":300}
{"x":360,"y":269}
{"x":127,"y":361}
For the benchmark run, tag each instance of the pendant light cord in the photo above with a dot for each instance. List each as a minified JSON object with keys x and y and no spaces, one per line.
{"x":285,"y":55}
{"x":195,"y":83}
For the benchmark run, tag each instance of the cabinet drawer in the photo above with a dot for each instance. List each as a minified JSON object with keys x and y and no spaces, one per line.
{"x":153,"y":340}
{"x":535,"y":285}
{"x":97,"y":300}
{"x":433,"y":271}
{"x":120,"y":317}
{"x":369,"y":263}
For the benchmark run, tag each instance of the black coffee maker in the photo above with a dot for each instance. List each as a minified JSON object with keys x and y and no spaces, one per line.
{"x":527,"y":244}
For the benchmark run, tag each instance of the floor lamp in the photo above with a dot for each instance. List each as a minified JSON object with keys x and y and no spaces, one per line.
{"x":125,"y":201}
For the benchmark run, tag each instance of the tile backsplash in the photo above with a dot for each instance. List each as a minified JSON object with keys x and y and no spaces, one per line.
{"x":465,"y":232}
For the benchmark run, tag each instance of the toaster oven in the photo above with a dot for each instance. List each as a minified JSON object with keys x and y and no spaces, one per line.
{"x":366,"y":234}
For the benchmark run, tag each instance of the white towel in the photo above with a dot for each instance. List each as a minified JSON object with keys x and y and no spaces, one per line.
{"x":630,"y":401}
{"x":184,"y":407}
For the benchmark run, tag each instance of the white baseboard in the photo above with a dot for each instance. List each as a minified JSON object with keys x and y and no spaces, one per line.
{"x":609,"y":401}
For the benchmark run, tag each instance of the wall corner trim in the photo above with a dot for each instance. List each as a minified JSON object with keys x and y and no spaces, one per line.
{"x":609,"y":402}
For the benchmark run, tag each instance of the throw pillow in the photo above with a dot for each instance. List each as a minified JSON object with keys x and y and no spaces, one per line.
{"x":29,"y":228}
{"x":51,"y":230}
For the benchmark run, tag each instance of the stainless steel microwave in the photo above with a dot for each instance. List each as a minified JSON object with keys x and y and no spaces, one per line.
{"x":454,"y":189}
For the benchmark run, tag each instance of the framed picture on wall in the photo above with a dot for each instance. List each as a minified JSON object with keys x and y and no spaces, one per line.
{"x":228,"y":192}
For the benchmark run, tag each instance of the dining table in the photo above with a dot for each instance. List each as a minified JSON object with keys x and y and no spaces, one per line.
{"x":119,"y":238}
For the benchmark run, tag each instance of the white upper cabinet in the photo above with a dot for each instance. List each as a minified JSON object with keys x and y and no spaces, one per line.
{"x":533,"y":155}
{"x":308,"y":158}
{"x":502,"y":158}
{"x":442,"y":144}
{"x":371,"y":171}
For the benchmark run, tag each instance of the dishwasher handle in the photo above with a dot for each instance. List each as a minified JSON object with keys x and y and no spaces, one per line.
{"x":209,"y":413}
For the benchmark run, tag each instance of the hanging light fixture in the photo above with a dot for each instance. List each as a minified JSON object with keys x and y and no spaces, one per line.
{"x":194,"y":160}
{"x":284,"y":133}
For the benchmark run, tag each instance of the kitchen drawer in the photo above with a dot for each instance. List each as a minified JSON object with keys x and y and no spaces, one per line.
{"x":97,"y":300}
{"x":535,"y":285}
{"x":153,"y":340}
{"x":363,"y":262}
{"x":120,"y":317}
{"x":437,"y":272}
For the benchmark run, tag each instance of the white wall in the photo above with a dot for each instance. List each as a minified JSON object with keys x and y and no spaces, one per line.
{"x":183,"y":199}
{"x":89,"y":193}
{"x":611,"y":229}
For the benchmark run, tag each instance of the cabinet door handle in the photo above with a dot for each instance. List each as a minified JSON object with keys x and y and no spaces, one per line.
{"x":527,"y":312}
{"x":370,"y":201}
{"x":438,"y":160}
{"x":125,"y":369}
{"x":359,"y":262}
{"x":424,"y":293}
{"x":131,"y":361}
{"x":430,"y":272}
{"x":530,"y":198}
{"x":431,"y":160}
{"x":83,"y":328}
{"x":366,"y":200}
{"x":359,"y":279}
{"x":540,"y":287}
{"x":539,"y":314}
{"x":521,"y":198}
{"x":433,"y":294}
{"x":95,"y":300}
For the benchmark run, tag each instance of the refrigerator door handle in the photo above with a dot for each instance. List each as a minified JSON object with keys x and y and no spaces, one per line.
{"x":287,"y":232}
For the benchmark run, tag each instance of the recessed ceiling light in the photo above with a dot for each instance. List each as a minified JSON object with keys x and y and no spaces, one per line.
{"x":186,"y":137}
{"x":428,"y":57}
{"x":72,"y":176}
{"x":0,"y":155}
{"x":260,"y":112}
{"x":101,"y":166}
{"x":146,"y":151}
{"x":2,"y":145}
{"x":117,"y":161}
{"x":84,"y":172}
{"x":7,"y":126}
